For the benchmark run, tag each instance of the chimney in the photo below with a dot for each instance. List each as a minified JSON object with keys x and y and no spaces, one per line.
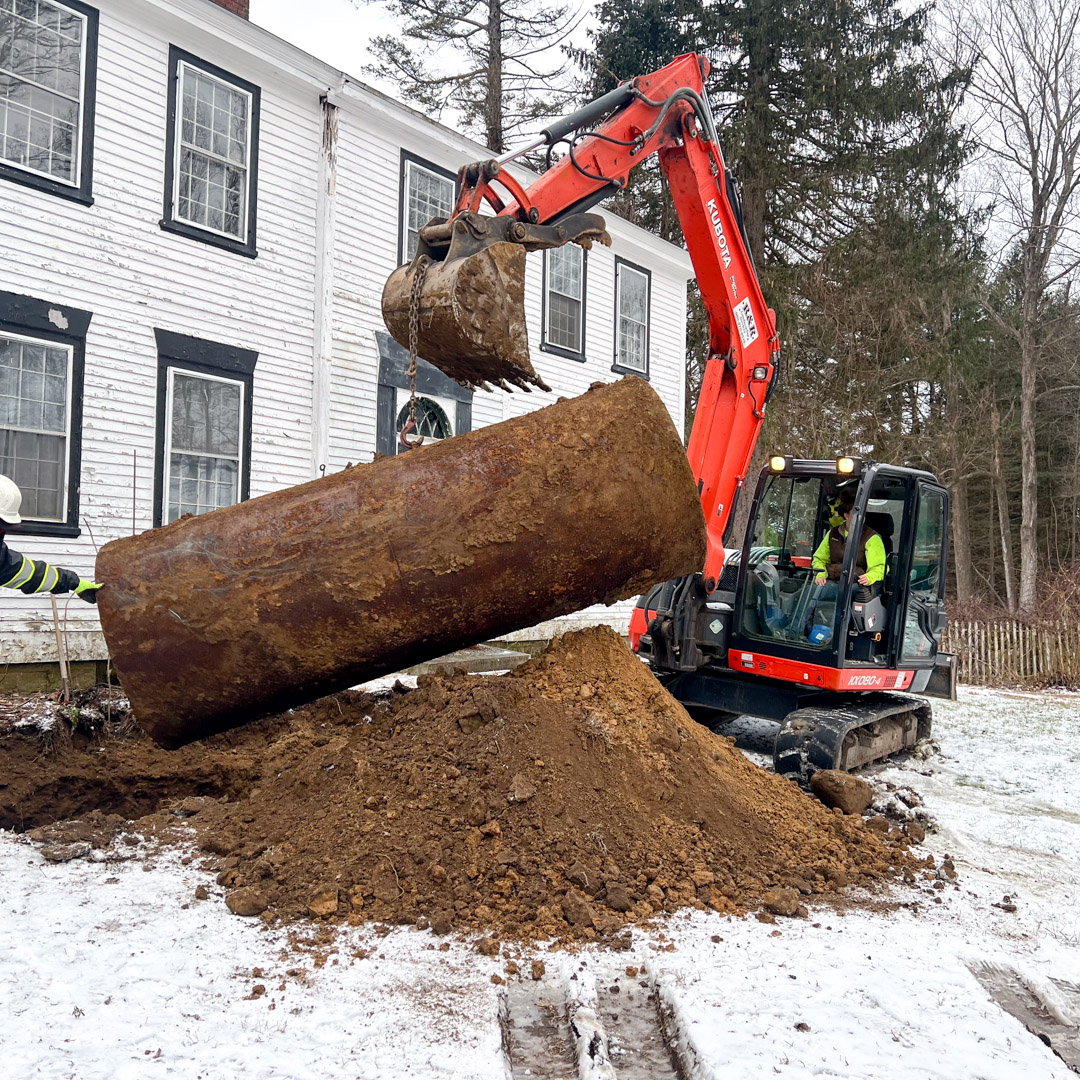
{"x":237,"y":7}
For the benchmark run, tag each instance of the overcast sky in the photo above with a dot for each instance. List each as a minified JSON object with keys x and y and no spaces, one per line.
{"x":336,"y":31}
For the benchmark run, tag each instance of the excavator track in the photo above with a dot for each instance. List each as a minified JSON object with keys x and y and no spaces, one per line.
{"x":847,"y":736}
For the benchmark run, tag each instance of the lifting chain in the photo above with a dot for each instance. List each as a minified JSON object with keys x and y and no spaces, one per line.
{"x":414,"y":333}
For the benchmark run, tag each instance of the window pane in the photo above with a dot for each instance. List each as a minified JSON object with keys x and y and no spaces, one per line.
{"x":33,"y":385}
{"x":428,"y":195}
{"x":205,"y":415}
{"x":565,"y":270}
{"x":565,"y":287}
{"x":631,"y":344}
{"x":633,"y":319}
{"x":431,"y":422}
{"x":781,"y":600}
{"x":633,"y":294}
{"x":213,"y":130}
{"x":564,"y":322}
{"x":40,"y":86}
{"x":198,"y":485}
{"x":925,"y":575}
{"x":38,"y":464}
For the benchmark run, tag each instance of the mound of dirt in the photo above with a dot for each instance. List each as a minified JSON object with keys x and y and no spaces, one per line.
{"x":565,"y":799}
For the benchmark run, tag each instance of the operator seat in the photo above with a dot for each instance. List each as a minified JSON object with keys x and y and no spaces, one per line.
{"x":882,"y":524}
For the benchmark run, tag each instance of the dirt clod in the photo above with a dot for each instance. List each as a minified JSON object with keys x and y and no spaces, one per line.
{"x":246,"y":901}
{"x":782,"y":901}
{"x":915,"y":832}
{"x":65,"y":852}
{"x":841,"y":790}
{"x":538,"y":969}
{"x":323,"y":903}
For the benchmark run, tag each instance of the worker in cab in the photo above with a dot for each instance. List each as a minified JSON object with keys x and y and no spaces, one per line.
{"x":828,"y":561}
{"x":32,"y":576}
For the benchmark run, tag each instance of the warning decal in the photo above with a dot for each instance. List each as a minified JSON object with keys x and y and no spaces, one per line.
{"x":744,"y":318}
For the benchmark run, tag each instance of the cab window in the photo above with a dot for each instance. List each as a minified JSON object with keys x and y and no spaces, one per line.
{"x":778,"y":598}
{"x":925,"y":575}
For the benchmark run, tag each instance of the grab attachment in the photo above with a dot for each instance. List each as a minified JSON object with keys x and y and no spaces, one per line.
{"x":470,"y":311}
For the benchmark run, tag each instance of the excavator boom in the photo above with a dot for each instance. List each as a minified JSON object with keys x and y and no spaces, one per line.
{"x":460,"y":302}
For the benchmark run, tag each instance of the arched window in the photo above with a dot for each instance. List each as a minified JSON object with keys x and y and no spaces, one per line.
{"x":431,"y":422}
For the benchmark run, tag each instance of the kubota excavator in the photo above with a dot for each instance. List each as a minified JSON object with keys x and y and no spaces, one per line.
{"x":754,"y":632}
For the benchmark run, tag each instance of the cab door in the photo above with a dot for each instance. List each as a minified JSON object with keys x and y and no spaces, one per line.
{"x":923,"y":619}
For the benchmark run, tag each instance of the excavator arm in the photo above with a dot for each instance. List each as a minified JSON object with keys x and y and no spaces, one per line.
{"x":460,"y":302}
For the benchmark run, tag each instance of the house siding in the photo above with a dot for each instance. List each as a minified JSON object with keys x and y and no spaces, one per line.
{"x":114,"y":260}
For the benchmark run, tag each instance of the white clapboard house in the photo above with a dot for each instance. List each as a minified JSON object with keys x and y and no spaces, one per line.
{"x":196,"y":221}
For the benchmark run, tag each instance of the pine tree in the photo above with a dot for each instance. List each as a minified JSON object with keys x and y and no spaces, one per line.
{"x":496,"y":64}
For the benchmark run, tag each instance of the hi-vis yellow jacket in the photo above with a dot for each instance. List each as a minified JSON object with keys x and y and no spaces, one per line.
{"x":33,"y":575}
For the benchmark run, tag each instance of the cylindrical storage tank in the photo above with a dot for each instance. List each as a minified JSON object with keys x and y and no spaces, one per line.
{"x":214,"y":621}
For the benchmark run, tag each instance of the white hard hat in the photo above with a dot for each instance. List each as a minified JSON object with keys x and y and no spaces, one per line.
{"x":10,"y":501}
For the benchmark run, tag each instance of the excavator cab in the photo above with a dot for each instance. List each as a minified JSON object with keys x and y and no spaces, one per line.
{"x":783,"y":610}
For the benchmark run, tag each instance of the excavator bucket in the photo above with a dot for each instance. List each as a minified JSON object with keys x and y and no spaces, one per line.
{"x":470,"y":316}
{"x":460,"y":303}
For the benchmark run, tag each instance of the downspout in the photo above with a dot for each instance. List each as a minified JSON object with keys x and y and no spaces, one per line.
{"x":323,"y":325}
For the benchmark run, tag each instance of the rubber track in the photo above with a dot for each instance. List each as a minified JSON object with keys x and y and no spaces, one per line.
{"x":812,"y":739}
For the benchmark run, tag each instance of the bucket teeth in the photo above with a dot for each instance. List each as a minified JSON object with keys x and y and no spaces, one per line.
{"x":471,"y":317}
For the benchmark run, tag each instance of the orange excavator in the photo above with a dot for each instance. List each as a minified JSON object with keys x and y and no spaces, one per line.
{"x":785,"y":625}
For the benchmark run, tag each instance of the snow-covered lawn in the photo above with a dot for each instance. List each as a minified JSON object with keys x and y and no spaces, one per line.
{"x":114,"y":970}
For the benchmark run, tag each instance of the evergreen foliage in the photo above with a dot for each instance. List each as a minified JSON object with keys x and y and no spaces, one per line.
{"x":496,"y":64}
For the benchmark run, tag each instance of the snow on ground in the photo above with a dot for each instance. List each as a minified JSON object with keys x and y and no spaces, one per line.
{"x":114,"y":969}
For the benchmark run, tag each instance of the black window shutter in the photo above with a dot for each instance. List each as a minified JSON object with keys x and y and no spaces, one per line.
{"x":384,"y":428}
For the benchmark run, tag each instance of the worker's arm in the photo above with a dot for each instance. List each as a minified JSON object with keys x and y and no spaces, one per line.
{"x":820,"y":561}
{"x":32,"y":576}
{"x":875,"y":561}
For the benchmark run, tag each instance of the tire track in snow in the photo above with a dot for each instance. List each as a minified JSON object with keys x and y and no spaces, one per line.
{"x":598,"y":1024}
{"x":535,"y":1032}
{"x":1049,"y":1011}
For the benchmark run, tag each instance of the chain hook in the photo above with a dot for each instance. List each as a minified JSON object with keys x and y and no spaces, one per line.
{"x":414,"y":332}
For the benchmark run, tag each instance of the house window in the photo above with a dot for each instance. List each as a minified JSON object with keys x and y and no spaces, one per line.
{"x":432,"y":419}
{"x":48,"y":59}
{"x":204,"y":426}
{"x":427,"y":191}
{"x":35,"y":408}
{"x":632,"y":318}
{"x":203,"y":443}
{"x":42,"y":356}
{"x":211,"y":155}
{"x":443,"y":407}
{"x":564,"y":301}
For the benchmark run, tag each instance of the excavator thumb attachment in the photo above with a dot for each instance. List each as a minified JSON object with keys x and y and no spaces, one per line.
{"x":460,"y":303}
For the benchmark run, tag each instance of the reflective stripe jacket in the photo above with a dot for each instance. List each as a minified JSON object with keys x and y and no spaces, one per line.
{"x":33,"y":575}
{"x":870,"y":559}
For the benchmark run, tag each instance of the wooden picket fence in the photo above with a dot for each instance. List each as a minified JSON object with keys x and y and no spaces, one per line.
{"x":1004,"y":651}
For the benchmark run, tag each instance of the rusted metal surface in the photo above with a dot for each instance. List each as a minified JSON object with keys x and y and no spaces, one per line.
{"x":471,"y":316}
{"x":216,"y":620}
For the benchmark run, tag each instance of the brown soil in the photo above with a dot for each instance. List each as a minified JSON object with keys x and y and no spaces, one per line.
{"x":567,"y":799}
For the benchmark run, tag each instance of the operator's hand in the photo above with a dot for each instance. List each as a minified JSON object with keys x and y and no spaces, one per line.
{"x":863,"y":579}
{"x":87,"y":590}
{"x":820,"y":579}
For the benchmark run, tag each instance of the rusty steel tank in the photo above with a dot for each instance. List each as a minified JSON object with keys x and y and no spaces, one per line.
{"x":216,"y":620}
